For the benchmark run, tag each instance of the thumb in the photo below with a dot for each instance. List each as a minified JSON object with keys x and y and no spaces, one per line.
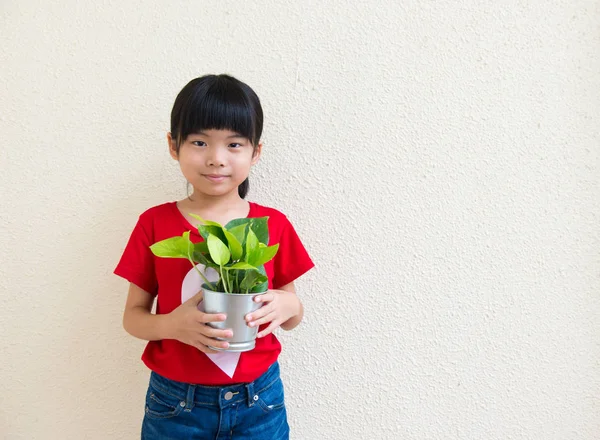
{"x":196,"y":298}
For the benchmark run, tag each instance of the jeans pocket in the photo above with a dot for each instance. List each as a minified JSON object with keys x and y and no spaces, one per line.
{"x":272,"y":398}
{"x":162,"y":406}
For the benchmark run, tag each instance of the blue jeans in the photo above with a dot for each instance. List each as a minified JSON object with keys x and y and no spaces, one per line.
{"x":177,"y":410}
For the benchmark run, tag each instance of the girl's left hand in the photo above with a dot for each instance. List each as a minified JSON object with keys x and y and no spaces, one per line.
{"x":278,"y":307}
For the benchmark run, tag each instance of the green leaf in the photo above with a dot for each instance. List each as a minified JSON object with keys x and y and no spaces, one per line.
{"x":258,"y":224}
{"x":252,"y":249}
{"x":239,"y":232}
{"x":201,"y":256}
{"x":189,"y":246}
{"x":262,"y":283}
{"x":241,"y":266}
{"x":174,"y":247}
{"x":234,"y":245}
{"x":237,"y":222}
{"x":219,"y":252}
{"x":205,"y":231}
{"x":201,"y":246}
{"x":267,"y":254}
{"x":249,"y":280}
{"x":260,"y":227}
{"x":206,"y":222}
{"x":209,"y":227}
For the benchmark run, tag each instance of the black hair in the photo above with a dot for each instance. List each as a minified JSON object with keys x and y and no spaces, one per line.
{"x":219,"y":102}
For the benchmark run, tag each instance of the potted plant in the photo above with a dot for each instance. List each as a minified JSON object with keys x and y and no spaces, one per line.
{"x":237,"y":252}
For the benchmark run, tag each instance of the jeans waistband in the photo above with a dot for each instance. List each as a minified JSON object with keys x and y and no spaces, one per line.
{"x":216,"y":395}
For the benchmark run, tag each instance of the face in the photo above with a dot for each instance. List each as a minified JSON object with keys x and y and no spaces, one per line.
{"x":215,"y":162}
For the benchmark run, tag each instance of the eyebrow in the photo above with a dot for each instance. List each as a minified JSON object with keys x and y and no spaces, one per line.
{"x":236,"y":135}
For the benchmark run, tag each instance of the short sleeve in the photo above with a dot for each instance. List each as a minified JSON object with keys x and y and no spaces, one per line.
{"x":292,"y":259}
{"x":137,"y":262}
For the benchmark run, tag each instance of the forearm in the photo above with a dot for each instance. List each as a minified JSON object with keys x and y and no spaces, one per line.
{"x":297,"y":318}
{"x":143,"y":324}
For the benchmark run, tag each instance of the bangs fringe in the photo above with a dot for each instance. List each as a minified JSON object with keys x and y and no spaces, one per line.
{"x":220,"y":106}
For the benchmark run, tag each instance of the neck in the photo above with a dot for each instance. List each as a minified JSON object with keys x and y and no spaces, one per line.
{"x":222,"y":203}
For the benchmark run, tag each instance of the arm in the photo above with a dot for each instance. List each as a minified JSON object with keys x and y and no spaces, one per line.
{"x":297,"y":318}
{"x":139,"y":321}
{"x":186,"y":323}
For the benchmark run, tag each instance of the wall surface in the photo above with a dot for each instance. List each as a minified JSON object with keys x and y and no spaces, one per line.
{"x":440,"y":160}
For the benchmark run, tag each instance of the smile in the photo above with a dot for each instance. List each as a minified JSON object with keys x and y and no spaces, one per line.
{"x":215,"y":177}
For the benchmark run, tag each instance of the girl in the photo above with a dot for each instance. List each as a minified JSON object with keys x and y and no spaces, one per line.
{"x":195,"y":392}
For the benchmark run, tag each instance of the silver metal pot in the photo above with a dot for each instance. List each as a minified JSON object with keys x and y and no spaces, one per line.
{"x":236,"y":306}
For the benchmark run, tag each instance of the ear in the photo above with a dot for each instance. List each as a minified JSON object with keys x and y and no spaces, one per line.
{"x":256,"y":154}
{"x":172,"y":146}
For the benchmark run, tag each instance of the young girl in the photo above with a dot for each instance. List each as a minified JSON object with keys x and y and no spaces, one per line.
{"x":195,"y":392}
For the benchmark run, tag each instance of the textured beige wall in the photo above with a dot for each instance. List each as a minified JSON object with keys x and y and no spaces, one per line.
{"x":440,"y":160}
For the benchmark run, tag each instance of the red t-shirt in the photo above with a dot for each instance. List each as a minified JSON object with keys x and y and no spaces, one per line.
{"x":174,"y":280}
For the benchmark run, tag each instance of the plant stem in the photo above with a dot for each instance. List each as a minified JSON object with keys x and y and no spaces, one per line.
{"x":224,"y":279}
{"x":244,"y":279}
{"x":189,"y":256}
{"x":202,"y":275}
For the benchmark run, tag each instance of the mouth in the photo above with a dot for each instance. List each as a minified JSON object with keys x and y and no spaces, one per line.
{"x":215,"y":177}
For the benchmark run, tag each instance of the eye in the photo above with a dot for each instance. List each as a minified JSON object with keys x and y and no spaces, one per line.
{"x":199,"y":142}
{"x":235,"y":145}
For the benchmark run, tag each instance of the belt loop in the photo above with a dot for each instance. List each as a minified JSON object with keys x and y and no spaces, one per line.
{"x":189,"y":404}
{"x":250,"y":391}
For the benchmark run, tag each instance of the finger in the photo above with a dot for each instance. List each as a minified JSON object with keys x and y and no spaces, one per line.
{"x":214,"y":333}
{"x":264,"y":310}
{"x":203,"y":318}
{"x":196,"y":298}
{"x":267,"y":297}
{"x":212,"y":342}
{"x":268,"y":330}
{"x":204,"y":349}
{"x":267,"y":318}
{"x":202,"y":346}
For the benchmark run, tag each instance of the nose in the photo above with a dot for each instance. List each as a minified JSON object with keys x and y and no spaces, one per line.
{"x":215,"y":157}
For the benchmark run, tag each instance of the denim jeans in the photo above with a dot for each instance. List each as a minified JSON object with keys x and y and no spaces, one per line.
{"x":176,"y":410}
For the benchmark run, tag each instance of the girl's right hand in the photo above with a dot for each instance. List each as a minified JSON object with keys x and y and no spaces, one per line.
{"x":187,"y":324}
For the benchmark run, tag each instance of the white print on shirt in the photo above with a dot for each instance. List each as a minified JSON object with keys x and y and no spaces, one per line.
{"x":192,"y":282}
